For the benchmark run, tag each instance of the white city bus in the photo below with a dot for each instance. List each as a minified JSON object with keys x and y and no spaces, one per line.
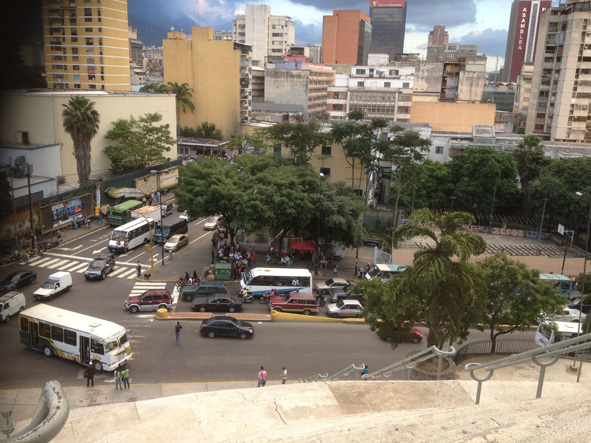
{"x":385,"y":271}
{"x":553,"y":331}
{"x":131,"y":235}
{"x":261,"y":280}
{"x":84,"y":339}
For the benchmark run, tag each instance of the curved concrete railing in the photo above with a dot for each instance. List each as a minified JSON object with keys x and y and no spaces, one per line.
{"x":53,"y":414}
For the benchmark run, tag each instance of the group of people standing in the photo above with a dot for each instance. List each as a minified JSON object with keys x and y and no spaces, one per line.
{"x":120,"y":375}
{"x":262,"y":376}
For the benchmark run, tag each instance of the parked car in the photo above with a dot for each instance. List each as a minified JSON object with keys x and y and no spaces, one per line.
{"x":218,"y":302}
{"x":295,"y":302}
{"x":222,"y":326}
{"x":176,"y":242}
{"x":578,"y":304}
{"x":57,"y":283}
{"x":100,"y":267}
{"x":150,"y":300}
{"x":11,"y":304}
{"x":337,"y":295}
{"x":325,"y":287}
{"x":414,"y":336}
{"x":188,"y":293}
{"x":344,"y":308}
{"x":17,"y":280}
{"x":211,"y":223}
{"x":166,"y":208}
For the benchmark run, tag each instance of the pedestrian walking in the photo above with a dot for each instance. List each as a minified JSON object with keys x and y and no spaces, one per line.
{"x":139,"y":269}
{"x":283,"y":375}
{"x":177,"y":331}
{"x":118,"y":379}
{"x":365,"y":371}
{"x":27,"y":257}
{"x":212,"y":257}
{"x":262,"y":377}
{"x":59,"y":236}
{"x":125,"y":377}
{"x":89,"y":375}
{"x":100,"y":218}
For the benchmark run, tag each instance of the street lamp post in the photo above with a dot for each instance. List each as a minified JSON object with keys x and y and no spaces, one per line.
{"x":160,"y":207}
{"x":541,"y":225}
{"x":452,"y":203}
{"x":318,"y":224}
{"x":492,"y":209}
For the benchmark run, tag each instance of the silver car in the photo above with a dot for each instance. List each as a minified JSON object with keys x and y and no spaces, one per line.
{"x":344,"y":308}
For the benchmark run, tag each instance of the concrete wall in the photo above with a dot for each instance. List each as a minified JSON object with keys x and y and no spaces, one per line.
{"x":453,"y":117}
{"x":471,"y":86}
{"x":212,"y":69}
{"x":428,"y":77}
{"x":40,"y":115}
{"x":287,"y":87}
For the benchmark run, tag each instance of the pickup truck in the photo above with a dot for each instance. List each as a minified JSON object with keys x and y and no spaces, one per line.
{"x":217,"y":302}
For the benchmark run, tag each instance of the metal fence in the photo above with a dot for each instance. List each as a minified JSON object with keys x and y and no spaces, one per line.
{"x":504,"y":346}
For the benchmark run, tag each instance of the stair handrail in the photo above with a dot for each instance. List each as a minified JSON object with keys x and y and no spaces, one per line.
{"x":554,"y":351}
{"x":337,"y":376}
{"x":412,"y":361}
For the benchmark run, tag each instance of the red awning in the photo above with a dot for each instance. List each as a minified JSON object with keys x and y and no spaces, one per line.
{"x":302,"y":246}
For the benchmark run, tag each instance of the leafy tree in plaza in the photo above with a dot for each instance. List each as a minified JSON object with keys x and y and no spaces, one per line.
{"x":258,"y":142}
{"x":432,"y":187}
{"x":406,"y":150}
{"x":476,"y":173}
{"x":183,"y":100}
{"x":514,"y":296}
{"x":441,"y":289}
{"x":558,"y":183}
{"x":204,"y":130}
{"x":139,"y":143}
{"x":81,"y":121}
{"x":301,"y":139}
{"x":530,"y":159}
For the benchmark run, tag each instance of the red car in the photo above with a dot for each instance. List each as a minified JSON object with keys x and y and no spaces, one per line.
{"x":415,"y":336}
{"x":150,"y":300}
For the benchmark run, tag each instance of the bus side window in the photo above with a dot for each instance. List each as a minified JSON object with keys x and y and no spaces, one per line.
{"x":70,"y":337}
{"x":97,"y":346}
{"x":24,"y":323}
{"x":57,"y":333}
{"x":45,"y":330}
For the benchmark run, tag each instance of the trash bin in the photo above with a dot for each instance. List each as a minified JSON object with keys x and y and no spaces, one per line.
{"x":223,"y":271}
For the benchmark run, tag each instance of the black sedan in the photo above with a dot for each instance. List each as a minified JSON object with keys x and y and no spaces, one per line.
{"x":100,"y":267}
{"x":223,"y":326}
{"x":218,"y":302}
{"x":17,"y":280}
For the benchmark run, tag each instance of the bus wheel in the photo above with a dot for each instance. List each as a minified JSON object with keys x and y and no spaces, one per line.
{"x":47,"y":351}
{"x":98,"y":366}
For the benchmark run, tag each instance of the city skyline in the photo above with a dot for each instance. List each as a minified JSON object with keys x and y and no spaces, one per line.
{"x":481,"y":22}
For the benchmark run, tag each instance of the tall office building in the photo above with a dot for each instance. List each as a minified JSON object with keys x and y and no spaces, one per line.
{"x":268,"y":35}
{"x":388,"y":22}
{"x":523,"y":33}
{"x":86,"y":44}
{"x":346,"y":36}
{"x":560,"y":100}
{"x":438,"y":36}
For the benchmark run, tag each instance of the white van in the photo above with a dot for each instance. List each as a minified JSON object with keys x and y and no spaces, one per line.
{"x":10,"y":304}
{"x":56,"y":284}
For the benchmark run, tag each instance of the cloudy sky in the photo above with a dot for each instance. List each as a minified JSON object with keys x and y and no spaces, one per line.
{"x":480,"y":22}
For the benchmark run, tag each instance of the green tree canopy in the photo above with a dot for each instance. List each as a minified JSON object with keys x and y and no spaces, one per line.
{"x":81,"y":121}
{"x":258,"y":141}
{"x":515,"y":298}
{"x":204,"y":130}
{"x":440,"y":289}
{"x":301,"y":139}
{"x":140,"y":143}
{"x":476,"y":173}
{"x":155,"y":88}
{"x":530,"y":159}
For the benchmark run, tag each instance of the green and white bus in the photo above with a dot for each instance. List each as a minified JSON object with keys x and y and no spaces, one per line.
{"x":78,"y":337}
{"x":120,"y":214}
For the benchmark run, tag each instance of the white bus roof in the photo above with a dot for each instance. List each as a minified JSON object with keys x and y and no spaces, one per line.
{"x":72,"y":320}
{"x":567,"y":326}
{"x":132,"y":224}
{"x":288,"y":272}
{"x":390,"y":268}
{"x":555,"y":277}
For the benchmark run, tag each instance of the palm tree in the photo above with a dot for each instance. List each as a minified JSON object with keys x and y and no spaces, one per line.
{"x":183,"y":100}
{"x":530,"y":159}
{"x":81,"y":121}
{"x":441,"y":281}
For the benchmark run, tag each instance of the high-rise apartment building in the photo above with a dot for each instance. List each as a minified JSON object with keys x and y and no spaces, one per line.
{"x":438,"y":36}
{"x":560,"y":100}
{"x":388,"y":22}
{"x":268,"y":35}
{"x":215,"y":70}
{"x":346,"y":37}
{"x":523,"y":34}
{"x":86,"y":44}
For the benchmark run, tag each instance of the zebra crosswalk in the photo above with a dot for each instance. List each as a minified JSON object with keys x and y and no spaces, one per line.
{"x":78,"y":265}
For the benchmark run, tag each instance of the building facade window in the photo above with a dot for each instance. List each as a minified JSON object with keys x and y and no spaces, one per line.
{"x":325,"y":172}
{"x":327,"y":150}
{"x":438,"y":149}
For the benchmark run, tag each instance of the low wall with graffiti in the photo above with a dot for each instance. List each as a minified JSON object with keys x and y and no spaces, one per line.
{"x":505,"y":231}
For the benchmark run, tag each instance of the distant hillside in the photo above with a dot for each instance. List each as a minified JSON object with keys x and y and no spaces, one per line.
{"x":153,"y":22}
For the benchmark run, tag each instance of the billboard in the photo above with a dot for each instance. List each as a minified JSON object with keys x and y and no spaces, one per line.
{"x":387,"y":3}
